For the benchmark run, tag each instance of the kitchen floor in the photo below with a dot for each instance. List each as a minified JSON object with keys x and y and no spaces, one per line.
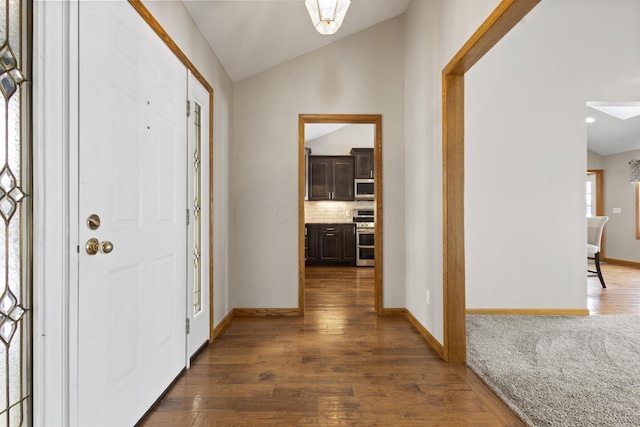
{"x":342,"y":291}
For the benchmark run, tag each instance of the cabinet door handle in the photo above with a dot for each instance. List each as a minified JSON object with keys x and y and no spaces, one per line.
{"x":371,"y":173}
{"x":330,"y":235}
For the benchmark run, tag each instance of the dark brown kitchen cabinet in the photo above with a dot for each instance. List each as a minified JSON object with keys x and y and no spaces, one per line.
{"x":331,"y":178}
{"x":363,"y":162}
{"x":330,"y":244}
{"x":349,"y":243}
{"x":311,"y":243}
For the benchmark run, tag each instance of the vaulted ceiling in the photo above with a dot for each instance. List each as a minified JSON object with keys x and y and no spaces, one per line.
{"x":251,"y":36}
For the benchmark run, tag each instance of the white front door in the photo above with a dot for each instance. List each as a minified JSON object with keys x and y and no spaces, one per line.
{"x":132,"y":176}
{"x":198,"y":191}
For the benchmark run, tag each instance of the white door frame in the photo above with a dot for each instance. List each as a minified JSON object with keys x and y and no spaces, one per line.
{"x":55,"y":197}
{"x":55,"y":143}
{"x":199,"y":324}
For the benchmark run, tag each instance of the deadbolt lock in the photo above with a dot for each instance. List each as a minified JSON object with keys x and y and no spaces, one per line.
{"x":93,"y":222}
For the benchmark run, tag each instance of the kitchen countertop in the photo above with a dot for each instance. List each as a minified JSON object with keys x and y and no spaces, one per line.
{"x":332,"y":222}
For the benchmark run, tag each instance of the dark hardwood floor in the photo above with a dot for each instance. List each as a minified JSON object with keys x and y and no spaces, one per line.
{"x":341,"y":364}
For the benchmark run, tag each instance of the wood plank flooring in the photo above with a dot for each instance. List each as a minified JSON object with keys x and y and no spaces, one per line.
{"x":622,"y":295}
{"x":340,"y":364}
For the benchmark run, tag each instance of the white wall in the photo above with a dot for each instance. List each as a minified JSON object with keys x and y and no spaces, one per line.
{"x":361,"y":74}
{"x":174,"y":18}
{"x":594,"y":161}
{"x":435,"y":31}
{"x":620,"y":231}
{"x":525,"y":173}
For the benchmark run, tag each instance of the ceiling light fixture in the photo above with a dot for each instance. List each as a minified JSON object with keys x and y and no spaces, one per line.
{"x":327,"y":15}
{"x":589,"y":120}
{"x":634,"y":172}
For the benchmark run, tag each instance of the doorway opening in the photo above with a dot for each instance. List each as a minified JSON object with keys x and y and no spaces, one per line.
{"x":376,"y":203}
{"x":497,"y":25}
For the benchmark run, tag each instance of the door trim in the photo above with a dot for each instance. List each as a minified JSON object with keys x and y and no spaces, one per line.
{"x":497,"y":25}
{"x":599,"y":173}
{"x":155,"y":25}
{"x":375,"y":119}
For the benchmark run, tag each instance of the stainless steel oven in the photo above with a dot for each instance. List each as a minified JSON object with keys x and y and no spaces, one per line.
{"x":365,"y":237}
{"x":365,"y":242}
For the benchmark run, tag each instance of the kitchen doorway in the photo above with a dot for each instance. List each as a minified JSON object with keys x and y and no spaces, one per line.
{"x":341,"y":119}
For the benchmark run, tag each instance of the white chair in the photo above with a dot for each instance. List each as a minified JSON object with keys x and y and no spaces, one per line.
{"x":595,"y":225}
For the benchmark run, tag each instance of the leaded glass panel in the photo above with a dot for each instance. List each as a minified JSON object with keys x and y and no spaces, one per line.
{"x":15,"y":232}
{"x":197,"y":197}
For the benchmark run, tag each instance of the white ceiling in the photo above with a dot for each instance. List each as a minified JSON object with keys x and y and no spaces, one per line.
{"x":317,"y":130}
{"x":609,"y":135}
{"x":251,"y":36}
{"x":329,"y":139}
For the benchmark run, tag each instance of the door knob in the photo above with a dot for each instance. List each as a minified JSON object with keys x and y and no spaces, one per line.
{"x":105,"y":247}
{"x":94,"y":246}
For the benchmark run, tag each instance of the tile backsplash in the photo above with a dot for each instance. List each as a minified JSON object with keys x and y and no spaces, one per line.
{"x":332,"y":211}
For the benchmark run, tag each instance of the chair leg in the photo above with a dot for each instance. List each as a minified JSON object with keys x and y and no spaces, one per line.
{"x":597,"y":261}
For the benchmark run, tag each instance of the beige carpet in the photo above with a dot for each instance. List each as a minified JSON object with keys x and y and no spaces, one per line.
{"x":560,"y":371}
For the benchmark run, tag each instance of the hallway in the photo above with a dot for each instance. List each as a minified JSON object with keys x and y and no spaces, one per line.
{"x":340,"y":364}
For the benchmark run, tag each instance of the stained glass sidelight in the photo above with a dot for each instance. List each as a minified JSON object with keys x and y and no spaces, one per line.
{"x":15,"y":321}
{"x":197,"y":276}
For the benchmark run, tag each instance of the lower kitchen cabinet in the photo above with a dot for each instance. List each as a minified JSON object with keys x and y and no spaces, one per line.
{"x":311,"y":243}
{"x":330,"y":244}
{"x":349,"y":243}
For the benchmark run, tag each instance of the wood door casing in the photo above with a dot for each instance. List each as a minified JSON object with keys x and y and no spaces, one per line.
{"x":506,"y":15}
{"x":375,"y":119}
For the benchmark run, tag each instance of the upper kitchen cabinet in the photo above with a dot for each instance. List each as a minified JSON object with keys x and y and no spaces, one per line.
{"x":331,"y":178}
{"x":363,"y":162}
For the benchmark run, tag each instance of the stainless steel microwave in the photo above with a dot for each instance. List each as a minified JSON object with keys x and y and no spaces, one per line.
{"x":364,"y":189}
